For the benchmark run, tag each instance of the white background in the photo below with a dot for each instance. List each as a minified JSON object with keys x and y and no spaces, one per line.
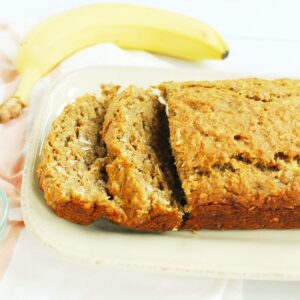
{"x":264,"y":37}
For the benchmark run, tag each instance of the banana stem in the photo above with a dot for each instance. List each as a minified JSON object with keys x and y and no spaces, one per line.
{"x":13,"y":106}
{"x":28,"y":80}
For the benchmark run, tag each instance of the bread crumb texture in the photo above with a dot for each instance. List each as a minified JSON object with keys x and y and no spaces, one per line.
{"x":71,"y":171}
{"x":138,"y":171}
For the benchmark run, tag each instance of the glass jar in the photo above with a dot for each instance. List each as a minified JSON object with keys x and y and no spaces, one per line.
{"x":3,"y":214}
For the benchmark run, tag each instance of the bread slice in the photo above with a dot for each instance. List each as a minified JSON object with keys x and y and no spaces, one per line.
{"x":237,"y":149}
{"x":71,"y":171}
{"x":140,"y":176}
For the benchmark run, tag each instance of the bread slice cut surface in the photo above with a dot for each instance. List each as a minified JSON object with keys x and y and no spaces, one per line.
{"x":140,"y":175}
{"x":71,"y":171}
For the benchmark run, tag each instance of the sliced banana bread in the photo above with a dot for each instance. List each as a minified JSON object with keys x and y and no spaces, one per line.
{"x":237,"y":149}
{"x":71,"y":171}
{"x":140,"y":176}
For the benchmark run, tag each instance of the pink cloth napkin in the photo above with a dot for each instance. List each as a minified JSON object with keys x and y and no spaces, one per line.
{"x":12,"y":141}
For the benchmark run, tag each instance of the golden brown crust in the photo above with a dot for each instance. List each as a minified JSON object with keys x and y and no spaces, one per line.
{"x":227,"y":216}
{"x":236,"y":142}
{"x":78,"y":212}
{"x":136,"y":178}
{"x":157,"y":221}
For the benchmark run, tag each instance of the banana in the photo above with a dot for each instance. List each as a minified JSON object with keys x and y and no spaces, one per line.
{"x":128,"y":26}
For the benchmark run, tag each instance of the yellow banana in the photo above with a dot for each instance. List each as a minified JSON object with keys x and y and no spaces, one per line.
{"x":128,"y":26}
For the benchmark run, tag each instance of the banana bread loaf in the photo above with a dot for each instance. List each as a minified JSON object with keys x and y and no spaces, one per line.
{"x":237,"y":150}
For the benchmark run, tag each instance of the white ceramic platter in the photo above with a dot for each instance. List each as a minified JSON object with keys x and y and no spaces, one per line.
{"x":260,"y":254}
